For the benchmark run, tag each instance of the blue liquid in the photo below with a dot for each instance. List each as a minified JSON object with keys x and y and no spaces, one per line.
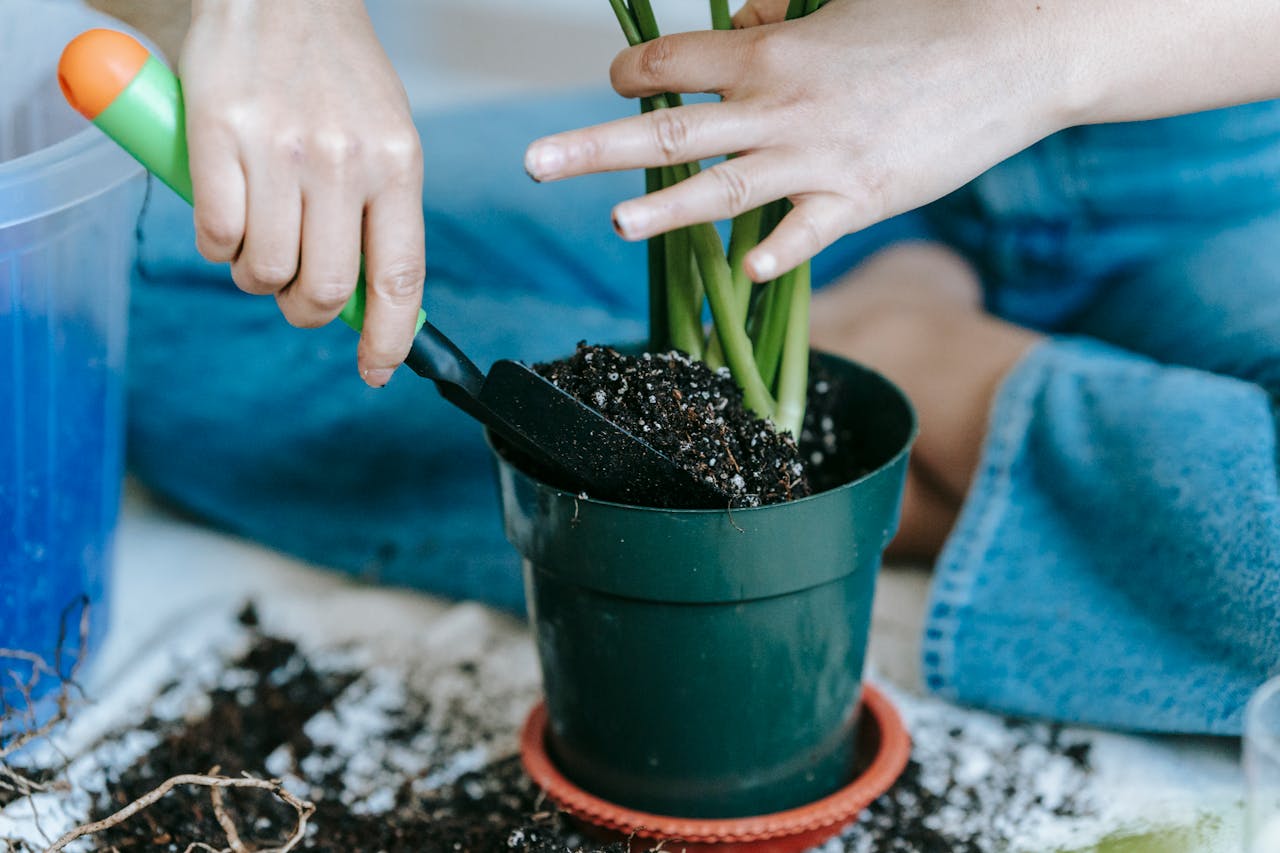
{"x":60,"y":475}
{"x":63,"y":310}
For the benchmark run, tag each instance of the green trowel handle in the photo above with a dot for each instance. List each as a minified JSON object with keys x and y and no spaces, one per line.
{"x":147,"y":120}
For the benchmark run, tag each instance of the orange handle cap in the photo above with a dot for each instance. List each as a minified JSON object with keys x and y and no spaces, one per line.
{"x":98,"y":65}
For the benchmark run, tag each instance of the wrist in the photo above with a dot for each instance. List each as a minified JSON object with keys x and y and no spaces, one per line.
{"x":1083,"y":72}
{"x":1146,"y":59}
{"x":221,"y":12}
{"x":1063,"y":86}
{"x":242,"y":9}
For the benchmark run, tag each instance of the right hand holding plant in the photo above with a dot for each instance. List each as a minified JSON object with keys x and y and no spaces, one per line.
{"x":860,"y":111}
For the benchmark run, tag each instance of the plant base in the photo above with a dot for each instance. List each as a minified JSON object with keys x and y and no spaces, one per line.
{"x":882,"y":738}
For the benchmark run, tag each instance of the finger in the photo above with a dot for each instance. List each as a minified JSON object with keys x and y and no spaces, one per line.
{"x":218,"y":192}
{"x":395,"y":259}
{"x":721,"y":192}
{"x":330,"y":258}
{"x":704,"y":61}
{"x":757,"y":12}
{"x":268,"y":259}
{"x":813,"y":224}
{"x":662,"y":137}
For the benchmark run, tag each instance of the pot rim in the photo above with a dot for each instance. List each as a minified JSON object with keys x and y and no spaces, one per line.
{"x":908,"y":442}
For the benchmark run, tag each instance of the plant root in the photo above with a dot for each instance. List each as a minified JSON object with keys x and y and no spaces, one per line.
{"x":19,"y":721}
{"x":216,"y":784}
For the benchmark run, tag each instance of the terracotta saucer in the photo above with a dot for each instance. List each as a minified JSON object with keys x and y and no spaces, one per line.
{"x":788,"y":831}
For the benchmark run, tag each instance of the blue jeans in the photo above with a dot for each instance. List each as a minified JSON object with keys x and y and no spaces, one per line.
{"x":1118,"y":559}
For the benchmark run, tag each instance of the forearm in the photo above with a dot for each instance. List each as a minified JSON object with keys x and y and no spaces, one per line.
{"x":1129,"y":60}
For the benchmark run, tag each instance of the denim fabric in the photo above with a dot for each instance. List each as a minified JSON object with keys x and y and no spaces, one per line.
{"x":1117,"y":559}
{"x":1052,"y":227}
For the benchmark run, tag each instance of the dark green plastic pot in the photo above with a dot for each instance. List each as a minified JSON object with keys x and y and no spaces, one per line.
{"x":706,"y":663}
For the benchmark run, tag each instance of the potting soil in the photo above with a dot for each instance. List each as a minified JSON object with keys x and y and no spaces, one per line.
{"x":396,"y":759}
{"x":691,"y":413}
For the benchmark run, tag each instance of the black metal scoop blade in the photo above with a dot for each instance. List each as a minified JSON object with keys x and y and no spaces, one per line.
{"x":588,"y":451}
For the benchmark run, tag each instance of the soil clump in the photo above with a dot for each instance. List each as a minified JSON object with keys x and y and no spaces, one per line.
{"x":691,"y":413}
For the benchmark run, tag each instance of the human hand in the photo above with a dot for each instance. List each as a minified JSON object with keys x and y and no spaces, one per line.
{"x":302,"y":149}
{"x":863,"y":110}
{"x":756,"y":12}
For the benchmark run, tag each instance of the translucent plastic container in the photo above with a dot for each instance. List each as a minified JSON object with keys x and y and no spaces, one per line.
{"x":69,"y":202}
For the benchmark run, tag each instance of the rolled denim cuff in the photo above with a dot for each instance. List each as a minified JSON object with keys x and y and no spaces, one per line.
{"x":1117,"y":559}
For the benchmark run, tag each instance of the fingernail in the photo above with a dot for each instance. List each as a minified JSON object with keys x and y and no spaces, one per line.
{"x":543,"y":160}
{"x":765,"y":267}
{"x":630,"y":221}
{"x":378,"y":376}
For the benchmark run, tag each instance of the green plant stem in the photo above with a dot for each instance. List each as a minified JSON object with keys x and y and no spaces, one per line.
{"x":773,"y":327}
{"x":659,"y":331}
{"x":646,"y":20}
{"x":745,"y":233}
{"x":793,"y":373}
{"x":684,"y":291}
{"x":742,"y":239}
{"x":730,"y":323}
{"x":729,"y":318}
{"x":770,"y":320}
{"x":675,"y":293}
{"x":720,"y":17}
{"x":684,"y":295}
{"x":714,"y":354}
{"x":627,"y":21}
{"x":795,"y":9}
